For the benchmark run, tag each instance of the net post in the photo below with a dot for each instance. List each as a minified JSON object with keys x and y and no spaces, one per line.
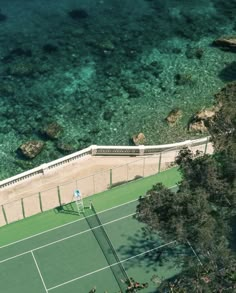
{"x":206,"y":145}
{"x":4,"y":214}
{"x":40,"y":202}
{"x":23,"y":208}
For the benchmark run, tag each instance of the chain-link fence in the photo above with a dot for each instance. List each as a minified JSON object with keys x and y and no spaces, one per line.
{"x":95,"y":183}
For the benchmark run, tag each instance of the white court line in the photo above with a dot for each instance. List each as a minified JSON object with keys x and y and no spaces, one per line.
{"x":82,"y":219}
{"x":61,"y":226}
{"x":65,"y":238}
{"x":39,"y":272}
{"x":15,"y":256}
{"x":194,"y":252}
{"x":107,"y":267}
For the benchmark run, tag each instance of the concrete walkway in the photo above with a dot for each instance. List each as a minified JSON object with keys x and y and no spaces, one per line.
{"x":80,"y":168}
{"x":91,"y":174}
{"x":87,"y":166}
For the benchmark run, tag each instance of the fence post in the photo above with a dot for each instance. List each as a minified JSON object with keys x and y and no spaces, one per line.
{"x":59,"y":195}
{"x":159,"y":164}
{"x":40,"y":202}
{"x":110,"y":178}
{"x":23,"y":209}
{"x":4,"y":214}
{"x":205,"y":150}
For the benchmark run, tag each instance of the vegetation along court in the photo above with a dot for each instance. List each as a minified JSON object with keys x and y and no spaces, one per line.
{"x":79,"y":73}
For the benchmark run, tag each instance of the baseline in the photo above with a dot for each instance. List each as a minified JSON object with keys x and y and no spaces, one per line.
{"x":109,"y":266}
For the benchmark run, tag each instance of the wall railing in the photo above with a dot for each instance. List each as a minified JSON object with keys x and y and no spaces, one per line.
{"x":61,"y":194}
{"x":95,"y":150}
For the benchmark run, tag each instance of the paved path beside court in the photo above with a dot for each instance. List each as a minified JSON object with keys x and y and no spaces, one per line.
{"x":84,"y":167}
{"x":91,"y":174}
{"x":80,"y":168}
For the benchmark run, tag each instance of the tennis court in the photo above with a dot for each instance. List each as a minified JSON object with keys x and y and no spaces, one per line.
{"x":97,"y":250}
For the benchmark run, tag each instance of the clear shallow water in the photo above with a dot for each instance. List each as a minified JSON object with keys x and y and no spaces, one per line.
{"x":106,"y":72}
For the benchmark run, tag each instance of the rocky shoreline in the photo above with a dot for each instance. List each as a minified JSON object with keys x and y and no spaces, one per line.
{"x":79,"y":79}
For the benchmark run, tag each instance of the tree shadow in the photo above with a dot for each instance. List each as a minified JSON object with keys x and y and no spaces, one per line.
{"x":229,"y":72}
{"x":233,"y":234}
{"x":66,"y":209}
{"x":152,"y":252}
{"x":124,"y":181}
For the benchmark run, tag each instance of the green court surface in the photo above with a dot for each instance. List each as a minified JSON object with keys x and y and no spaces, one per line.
{"x":80,"y":255}
{"x":107,"y":199}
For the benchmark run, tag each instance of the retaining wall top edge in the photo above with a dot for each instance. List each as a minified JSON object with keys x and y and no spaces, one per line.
{"x":95,"y":147}
{"x":60,"y":160}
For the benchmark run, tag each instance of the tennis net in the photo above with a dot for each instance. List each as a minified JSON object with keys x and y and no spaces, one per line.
{"x":108,"y":249}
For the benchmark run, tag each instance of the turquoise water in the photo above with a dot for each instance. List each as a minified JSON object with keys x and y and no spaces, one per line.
{"x":105,"y":70}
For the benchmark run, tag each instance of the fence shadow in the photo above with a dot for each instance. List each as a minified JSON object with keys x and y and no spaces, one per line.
{"x":66,"y":209}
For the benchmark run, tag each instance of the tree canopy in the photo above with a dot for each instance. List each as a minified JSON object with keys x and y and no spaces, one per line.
{"x":200,"y":212}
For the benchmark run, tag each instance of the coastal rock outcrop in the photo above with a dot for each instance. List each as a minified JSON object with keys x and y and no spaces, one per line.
{"x":174,"y":116}
{"x":201,"y":119}
{"x":139,"y":139}
{"x":31,"y":148}
{"x":226,"y":43}
{"x":226,"y":93}
{"x":198,"y":126}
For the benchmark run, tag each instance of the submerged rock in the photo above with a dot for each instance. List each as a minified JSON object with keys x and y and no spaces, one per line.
{"x":7,"y":88}
{"x":31,"y":148}
{"x":52,"y":130}
{"x":192,"y":53}
{"x":21,"y":69}
{"x":50,"y":48}
{"x":183,"y":79}
{"x":65,"y":148}
{"x":3,"y":17}
{"x":78,"y":14}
